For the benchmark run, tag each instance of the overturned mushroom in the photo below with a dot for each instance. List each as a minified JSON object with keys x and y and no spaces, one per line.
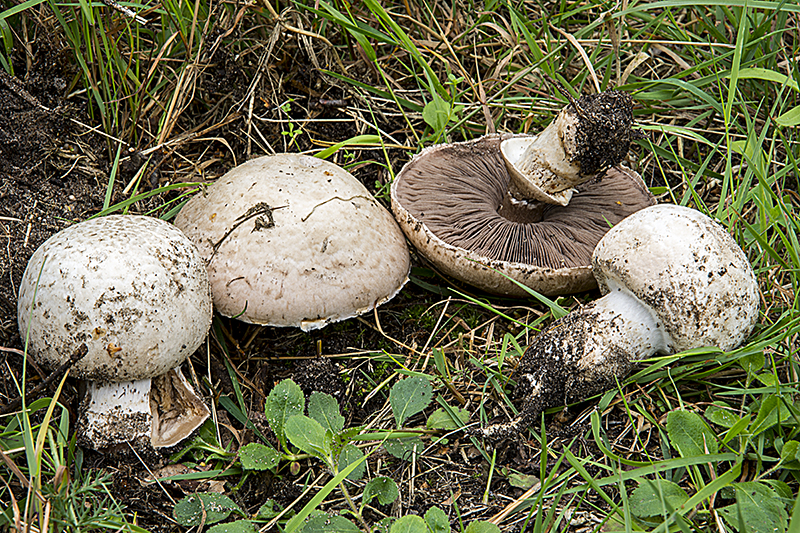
{"x":673,"y":280}
{"x":293,"y":240}
{"x":134,"y":290}
{"x":453,"y":204}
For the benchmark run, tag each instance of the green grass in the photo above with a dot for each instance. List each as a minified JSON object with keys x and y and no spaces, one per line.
{"x":709,"y":440}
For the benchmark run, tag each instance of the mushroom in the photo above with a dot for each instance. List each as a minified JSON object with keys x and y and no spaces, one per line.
{"x":135,"y":292}
{"x":453,"y":204}
{"x":293,"y":240}
{"x":586,"y":138}
{"x":673,"y":280}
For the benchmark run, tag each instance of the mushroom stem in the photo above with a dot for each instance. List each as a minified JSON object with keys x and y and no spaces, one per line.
{"x":582,"y":354}
{"x":163,"y":411}
{"x":585,"y":139}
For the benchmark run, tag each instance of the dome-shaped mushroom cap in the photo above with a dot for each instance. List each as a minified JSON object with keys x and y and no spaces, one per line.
{"x":452,"y":202}
{"x":293,"y":240}
{"x":133,"y":288}
{"x":657,"y":253}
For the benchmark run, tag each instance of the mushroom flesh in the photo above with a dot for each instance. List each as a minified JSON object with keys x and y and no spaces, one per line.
{"x":134,"y":290}
{"x":293,"y":240}
{"x":453,"y":203}
{"x":673,"y":280}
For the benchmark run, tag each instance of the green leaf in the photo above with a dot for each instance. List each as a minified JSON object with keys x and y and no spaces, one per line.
{"x":437,"y":520}
{"x":284,"y":400}
{"x":308,"y":435}
{"x":482,"y":526}
{"x":689,"y":434}
{"x":349,"y":455}
{"x":256,"y":456}
{"x":761,"y":510}
{"x":325,"y":409}
{"x":441,"y":419}
{"x":240,"y":526}
{"x":522,"y":481}
{"x":408,"y":397}
{"x":383,"y":488}
{"x":269,"y":510}
{"x":404,"y":448}
{"x":789,"y":450}
{"x":721,"y":416}
{"x":789,"y":119}
{"x":409,"y":524}
{"x":752,"y":363}
{"x":436,"y":113}
{"x":771,"y":411}
{"x":656,"y":497}
{"x":323,"y":523}
{"x":204,"y":507}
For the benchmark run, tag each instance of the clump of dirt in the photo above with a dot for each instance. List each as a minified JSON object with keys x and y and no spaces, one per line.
{"x":604,"y":133}
{"x":321,"y":374}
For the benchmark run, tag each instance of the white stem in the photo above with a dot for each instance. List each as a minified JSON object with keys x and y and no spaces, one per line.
{"x":156,"y":412}
{"x":542,"y":167}
{"x":623,"y":324}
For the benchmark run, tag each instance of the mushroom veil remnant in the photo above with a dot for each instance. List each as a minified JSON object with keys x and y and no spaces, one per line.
{"x":673,"y":280}
{"x":293,"y":240}
{"x":453,"y":204}
{"x":135,"y":292}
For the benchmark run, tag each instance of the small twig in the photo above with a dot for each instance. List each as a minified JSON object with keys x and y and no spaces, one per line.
{"x":76,"y":356}
{"x":260,"y":208}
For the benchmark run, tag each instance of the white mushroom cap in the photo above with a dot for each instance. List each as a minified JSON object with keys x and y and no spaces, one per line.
{"x":133,"y":288}
{"x":673,"y":279}
{"x":293,"y":240}
{"x":687,"y":269}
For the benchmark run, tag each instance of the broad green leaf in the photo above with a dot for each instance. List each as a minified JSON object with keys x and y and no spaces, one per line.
{"x":721,"y":416}
{"x":760,"y":508}
{"x":323,"y":523}
{"x":436,"y":113}
{"x":269,"y":510}
{"x":383,"y":488}
{"x":771,"y":411}
{"x":404,"y":448}
{"x":482,"y":526}
{"x":781,"y":488}
{"x":384,"y":526}
{"x":349,"y":455}
{"x":257,"y":456}
{"x":752,"y":363}
{"x":441,"y":419}
{"x":284,"y":400}
{"x":789,"y":450}
{"x":522,"y":481}
{"x":437,"y":520}
{"x":240,"y":526}
{"x":204,"y":507}
{"x":656,"y":497}
{"x":408,"y":397}
{"x":770,"y":380}
{"x":325,"y":409}
{"x":689,"y":434}
{"x":409,"y":524}
{"x":789,"y":119}
{"x":308,"y":435}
